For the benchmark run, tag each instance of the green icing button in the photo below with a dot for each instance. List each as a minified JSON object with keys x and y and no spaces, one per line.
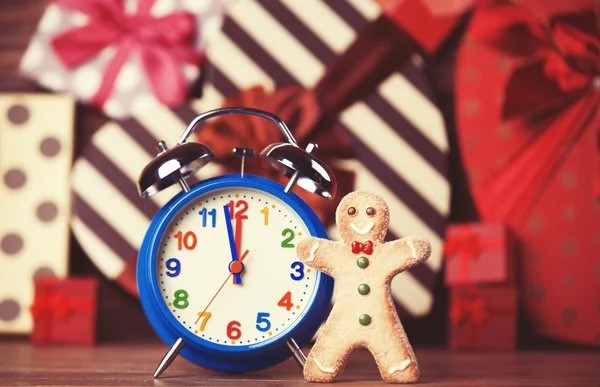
{"x":362,"y":262}
{"x":364,"y":319}
{"x":364,"y":289}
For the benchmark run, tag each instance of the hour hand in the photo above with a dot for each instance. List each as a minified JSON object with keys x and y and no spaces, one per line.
{"x":235,"y":266}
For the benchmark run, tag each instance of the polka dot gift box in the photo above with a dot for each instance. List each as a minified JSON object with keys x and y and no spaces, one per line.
{"x":529,"y":142}
{"x":122,"y":55}
{"x":36,"y":140}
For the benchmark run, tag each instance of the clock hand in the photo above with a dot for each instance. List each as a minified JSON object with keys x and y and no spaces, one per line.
{"x":238,"y":234}
{"x":219,"y":291}
{"x":235,"y":266}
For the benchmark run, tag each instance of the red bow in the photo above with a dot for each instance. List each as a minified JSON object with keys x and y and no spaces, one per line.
{"x":555,"y":85}
{"x":50,"y":301}
{"x":163,"y":45}
{"x":473,"y":309}
{"x":297,"y":107}
{"x":366,"y":247}
{"x":466,"y":243}
{"x":57,"y":304}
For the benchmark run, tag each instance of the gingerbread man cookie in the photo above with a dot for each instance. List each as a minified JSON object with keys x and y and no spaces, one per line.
{"x":364,"y":315}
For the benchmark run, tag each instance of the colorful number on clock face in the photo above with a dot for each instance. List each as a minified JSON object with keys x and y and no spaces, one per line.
{"x":193,"y":263}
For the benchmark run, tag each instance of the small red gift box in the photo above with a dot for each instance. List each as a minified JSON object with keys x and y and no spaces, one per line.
{"x":483,"y":317}
{"x":64,"y":310}
{"x":479,"y":253}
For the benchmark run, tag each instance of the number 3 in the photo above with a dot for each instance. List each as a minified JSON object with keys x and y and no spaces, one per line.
{"x":299,"y":273}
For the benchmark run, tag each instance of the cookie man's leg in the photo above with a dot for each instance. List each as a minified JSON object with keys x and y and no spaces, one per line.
{"x":328,"y":357}
{"x":394,"y":356}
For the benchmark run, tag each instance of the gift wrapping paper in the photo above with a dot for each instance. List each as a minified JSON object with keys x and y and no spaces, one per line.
{"x":529,"y":143}
{"x":88,"y":48}
{"x":107,"y":172}
{"x":36,"y":150}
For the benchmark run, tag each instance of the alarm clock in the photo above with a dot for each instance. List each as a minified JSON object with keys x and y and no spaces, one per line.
{"x":217,"y":272}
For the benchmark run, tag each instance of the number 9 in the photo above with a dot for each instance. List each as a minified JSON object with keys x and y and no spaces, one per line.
{"x":174,"y":266}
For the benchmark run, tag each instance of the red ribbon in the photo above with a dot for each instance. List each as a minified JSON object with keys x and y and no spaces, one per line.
{"x":50,"y":302}
{"x":297,"y":108}
{"x":465,"y":245}
{"x":472,"y":310}
{"x":163,"y":44}
{"x":358,"y":247}
{"x":552,"y":99}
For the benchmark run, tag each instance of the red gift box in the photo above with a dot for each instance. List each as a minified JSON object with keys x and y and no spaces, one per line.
{"x":64,"y":310}
{"x":483,"y":317}
{"x":529,"y":144}
{"x":479,"y":253}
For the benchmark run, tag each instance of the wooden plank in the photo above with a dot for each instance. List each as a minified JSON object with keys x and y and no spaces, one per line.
{"x":22,"y":364}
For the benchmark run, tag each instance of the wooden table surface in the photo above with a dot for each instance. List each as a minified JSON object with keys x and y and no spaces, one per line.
{"x":24,"y":365}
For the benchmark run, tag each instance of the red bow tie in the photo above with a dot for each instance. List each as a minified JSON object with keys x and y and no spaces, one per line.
{"x":366,"y":247}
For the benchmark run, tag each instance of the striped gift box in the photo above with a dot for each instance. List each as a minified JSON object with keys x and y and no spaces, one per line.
{"x":109,"y":218}
{"x":397,"y":133}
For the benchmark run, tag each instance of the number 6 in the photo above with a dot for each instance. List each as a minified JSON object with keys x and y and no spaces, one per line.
{"x":233,"y":332}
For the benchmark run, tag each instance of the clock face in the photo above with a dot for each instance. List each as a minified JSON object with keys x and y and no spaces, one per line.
{"x":193,"y":267}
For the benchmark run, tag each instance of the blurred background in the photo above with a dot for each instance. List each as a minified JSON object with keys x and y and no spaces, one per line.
{"x":478,"y":121}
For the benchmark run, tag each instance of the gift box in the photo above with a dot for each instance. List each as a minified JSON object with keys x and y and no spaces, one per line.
{"x":109,"y":218}
{"x":355,"y":86}
{"x":479,"y":253}
{"x":36,"y":151}
{"x":429,"y":22}
{"x":122,"y":55}
{"x":483,"y":317}
{"x":529,"y":144}
{"x":64,"y":311}
{"x":315,"y":78}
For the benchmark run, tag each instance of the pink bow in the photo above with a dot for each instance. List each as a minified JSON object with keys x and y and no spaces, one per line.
{"x":163,"y":44}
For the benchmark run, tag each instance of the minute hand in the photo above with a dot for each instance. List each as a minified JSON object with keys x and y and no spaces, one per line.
{"x":237,"y":278}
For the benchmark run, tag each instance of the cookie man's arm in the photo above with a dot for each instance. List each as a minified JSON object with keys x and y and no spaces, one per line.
{"x":320,"y":254}
{"x":402,"y":254}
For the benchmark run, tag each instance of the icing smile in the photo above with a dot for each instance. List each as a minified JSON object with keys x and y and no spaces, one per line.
{"x":364,"y":230}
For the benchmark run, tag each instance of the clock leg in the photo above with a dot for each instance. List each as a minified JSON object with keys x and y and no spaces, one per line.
{"x":169,"y":357}
{"x":297,"y":352}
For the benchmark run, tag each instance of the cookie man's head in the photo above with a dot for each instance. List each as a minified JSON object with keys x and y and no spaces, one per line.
{"x":362,"y":216}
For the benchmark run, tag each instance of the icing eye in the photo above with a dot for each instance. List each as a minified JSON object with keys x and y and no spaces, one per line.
{"x":370,"y":211}
{"x":351,"y":211}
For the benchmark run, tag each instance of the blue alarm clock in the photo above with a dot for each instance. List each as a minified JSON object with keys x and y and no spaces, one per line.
{"x":217,"y":272}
